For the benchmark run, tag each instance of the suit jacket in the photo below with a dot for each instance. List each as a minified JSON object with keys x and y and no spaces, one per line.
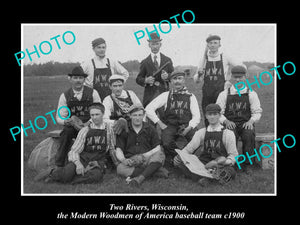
{"x":147,"y":68}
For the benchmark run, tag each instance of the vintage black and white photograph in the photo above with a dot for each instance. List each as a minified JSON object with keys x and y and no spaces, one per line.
{"x":148,"y":109}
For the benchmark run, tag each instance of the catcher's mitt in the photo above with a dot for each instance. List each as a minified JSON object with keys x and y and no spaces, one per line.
{"x":224,"y":174}
{"x":120,"y":125}
{"x":137,"y":160}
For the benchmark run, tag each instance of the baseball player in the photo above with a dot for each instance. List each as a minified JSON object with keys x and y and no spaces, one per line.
{"x":240,"y":113}
{"x":138,"y":150}
{"x":213,"y":71}
{"x":77,"y":99}
{"x":181,"y":113}
{"x":219,"y":147}
{"x":89,"y":153}
{"x":100,"y":68}
{"x":118,"y":104}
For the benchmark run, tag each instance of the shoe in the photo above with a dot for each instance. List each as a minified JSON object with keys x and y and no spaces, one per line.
{"x":161,"y":173}
{"x":245,"y":169}
{"x":136,"y":181}
{"x":43,"y":174}
{"x":203,"y":181}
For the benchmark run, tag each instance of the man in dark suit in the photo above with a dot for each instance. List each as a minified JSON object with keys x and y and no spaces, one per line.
{"x":154,"y":86}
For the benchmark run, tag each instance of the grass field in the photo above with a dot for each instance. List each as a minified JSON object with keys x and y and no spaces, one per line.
{"x":41,"y":96}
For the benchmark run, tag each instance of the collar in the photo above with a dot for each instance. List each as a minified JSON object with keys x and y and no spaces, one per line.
{"x":93,"y":125}
{"x":217,"y":128}
{"x":100,"y":59}
{"x":144,"y":127}
{"x":157,"y":54}
{"x":183,"y":90}
{"x":234,"y":91}
{"x":214,"y":57}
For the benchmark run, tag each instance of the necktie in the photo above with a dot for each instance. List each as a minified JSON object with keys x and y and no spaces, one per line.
{"x":155,"y":61}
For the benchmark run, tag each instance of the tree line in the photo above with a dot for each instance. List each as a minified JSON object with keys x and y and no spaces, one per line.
{"x":132,"y":66}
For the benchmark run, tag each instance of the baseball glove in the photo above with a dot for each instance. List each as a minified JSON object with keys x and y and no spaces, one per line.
{"x":76,"y":123}
{"x":120,"y":125}
{"x":137,"y":160}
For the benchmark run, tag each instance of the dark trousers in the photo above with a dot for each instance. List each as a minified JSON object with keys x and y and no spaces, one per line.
{"x":67,"y":174}
{"x":65,"y":139}
{"x":247,"y":137}
{"x":172,"y":140}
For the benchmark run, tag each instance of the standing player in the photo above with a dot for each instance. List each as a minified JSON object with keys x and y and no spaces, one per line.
{"x":213,"y":71}
{"x":100,"y":68}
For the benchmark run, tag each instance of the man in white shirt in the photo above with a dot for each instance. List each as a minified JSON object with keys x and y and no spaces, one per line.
{"x":181,"y":113}
{"x":75,"y":101}
{"x":118,"y":104}
{"x":100,"y":68}
{"x":120,"y":101}
{"x":160,"y":83}
{"x":219,"y":146}
{"x":240,"y":113}
{"x":213,"y":71}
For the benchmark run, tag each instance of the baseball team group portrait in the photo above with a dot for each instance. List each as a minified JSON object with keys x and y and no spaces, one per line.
{"x":163,"y":117}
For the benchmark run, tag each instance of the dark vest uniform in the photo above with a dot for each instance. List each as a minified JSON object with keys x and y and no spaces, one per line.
{"x":101,"y":83}
{"x":178,"y":109}
{"x":238,"y":107}
{"x":95,"y":146}
{"x":118,"y":111}
{"x":214,"y":78}
{"x":213,"y":146}
{"x":80,"y":108}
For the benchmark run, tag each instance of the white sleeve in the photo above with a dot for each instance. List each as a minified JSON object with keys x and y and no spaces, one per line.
{"x":156,"y":103}
{"x":221,"y":101}
{"x":63,"y":112}
{"x":134,"y":98}
{"x":117,"y":68}
{"x":89,"y":70}
{"x":197,"y":139}
{"x":108,"y":104}
{"x":255,"y":107}
{"x":96,"y":97}
{"x":230,"y":144}
{"x":194,"y":107}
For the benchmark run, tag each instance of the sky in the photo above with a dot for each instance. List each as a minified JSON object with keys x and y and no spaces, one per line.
{"x":184,"y":45}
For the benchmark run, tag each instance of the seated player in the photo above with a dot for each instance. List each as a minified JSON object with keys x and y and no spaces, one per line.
{"x":240,"y":113}
{"x":219,"y":147}
{"x":181,"y":114}
{"x":119,"y":102}
{"x":76,"y":99}
{"x":138,"y":150}
{"x":88,"y":155}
